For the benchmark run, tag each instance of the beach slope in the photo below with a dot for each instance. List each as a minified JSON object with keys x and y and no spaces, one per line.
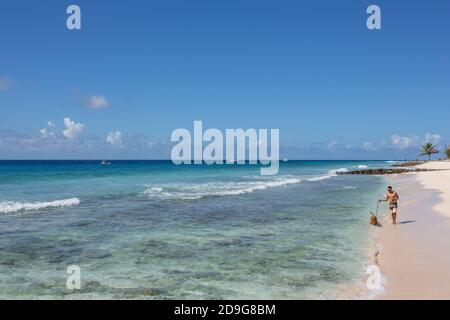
{"x":414,"y":255}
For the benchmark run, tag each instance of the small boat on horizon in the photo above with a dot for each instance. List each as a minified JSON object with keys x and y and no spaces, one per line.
{"x":105,"y":163}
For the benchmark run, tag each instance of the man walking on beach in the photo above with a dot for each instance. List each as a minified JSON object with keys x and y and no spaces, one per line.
{"x":392,"y":197}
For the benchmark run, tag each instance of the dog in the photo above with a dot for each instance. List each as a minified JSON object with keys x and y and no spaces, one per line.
{"x":373,"y":219}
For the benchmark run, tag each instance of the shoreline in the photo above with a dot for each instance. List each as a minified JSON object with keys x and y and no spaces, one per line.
{"x":413,"y":255}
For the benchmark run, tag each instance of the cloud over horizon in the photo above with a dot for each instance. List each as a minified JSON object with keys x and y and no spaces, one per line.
{"x":404,"y":142}
{"x":369,"y":146}
{"x":114,"y":138}
{"x":72,"y":129}
{"x":70,"y":141}
{"x":414,"y":142}
{"x":47,"y":131}
{"x":433,"y":138}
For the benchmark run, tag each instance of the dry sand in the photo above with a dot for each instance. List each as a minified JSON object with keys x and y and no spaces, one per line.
{"x":414,"y":255}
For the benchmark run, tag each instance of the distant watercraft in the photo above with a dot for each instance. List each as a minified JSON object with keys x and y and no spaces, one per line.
{"x":105,"y":162}
{"x":285,"y":160}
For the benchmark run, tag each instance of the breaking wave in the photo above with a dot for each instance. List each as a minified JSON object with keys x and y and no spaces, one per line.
{"x":13,"y":206}
{"x":214,"y":189}
{"x":189,"y":191}
{"x":331,"y":173}
{"x":392,"y":161}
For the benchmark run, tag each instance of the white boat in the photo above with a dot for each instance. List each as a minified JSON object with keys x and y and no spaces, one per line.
{"x":105,"y":163}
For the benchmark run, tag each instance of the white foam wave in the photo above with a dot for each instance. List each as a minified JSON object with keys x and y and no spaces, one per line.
{"x":320,"y":178}
{"x":191,"y":191}
{"x":331,"y":173}
{"x":335,"y":171}
{"x":362,"y":166}
{"x":12,"y":206}
{"x":155,"y":190}
{"x":198,"y":191}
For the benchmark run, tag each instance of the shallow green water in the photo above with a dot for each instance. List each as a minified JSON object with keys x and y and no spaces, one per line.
{"x":143,"y":229}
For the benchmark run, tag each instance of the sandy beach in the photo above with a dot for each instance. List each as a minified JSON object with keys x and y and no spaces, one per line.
{"x":414,"y":255}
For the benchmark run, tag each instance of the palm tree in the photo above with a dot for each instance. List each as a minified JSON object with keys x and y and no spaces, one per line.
{"x":428,"y":149}
{"x":447,"y":151}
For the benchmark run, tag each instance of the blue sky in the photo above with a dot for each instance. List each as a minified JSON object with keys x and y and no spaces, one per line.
{"x":140,"y":69}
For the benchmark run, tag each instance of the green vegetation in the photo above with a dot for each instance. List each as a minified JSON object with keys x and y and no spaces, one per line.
{"x":447,"y":151}
{"x":428,"y":149}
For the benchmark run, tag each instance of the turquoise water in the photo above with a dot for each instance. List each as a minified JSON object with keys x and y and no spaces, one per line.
{"x":153,"y":230}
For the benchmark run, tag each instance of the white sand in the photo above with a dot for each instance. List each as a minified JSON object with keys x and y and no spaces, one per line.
{"x":415,"y":254}
{"x":439,"y":181}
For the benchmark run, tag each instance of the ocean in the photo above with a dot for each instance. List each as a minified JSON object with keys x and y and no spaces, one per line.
{"x":154,"y":230}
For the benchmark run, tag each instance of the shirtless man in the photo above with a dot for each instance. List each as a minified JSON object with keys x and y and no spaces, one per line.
{"x":392,"y":197}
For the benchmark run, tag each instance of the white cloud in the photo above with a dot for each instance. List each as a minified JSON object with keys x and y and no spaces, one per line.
{"x":369,"y":146}
{"x":97,"y":102}
{"x":333,"y":145}
{"x":433,"y":138}
{"x":31,"y":145}
{"x":44,"y":132}
{"x":47,"y":131}
{"x":404,"y":142}
{"x":412,"y":141}
{"x":72,"y":129}
{"x":6,"y":83}
{"x":114,"y":138}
